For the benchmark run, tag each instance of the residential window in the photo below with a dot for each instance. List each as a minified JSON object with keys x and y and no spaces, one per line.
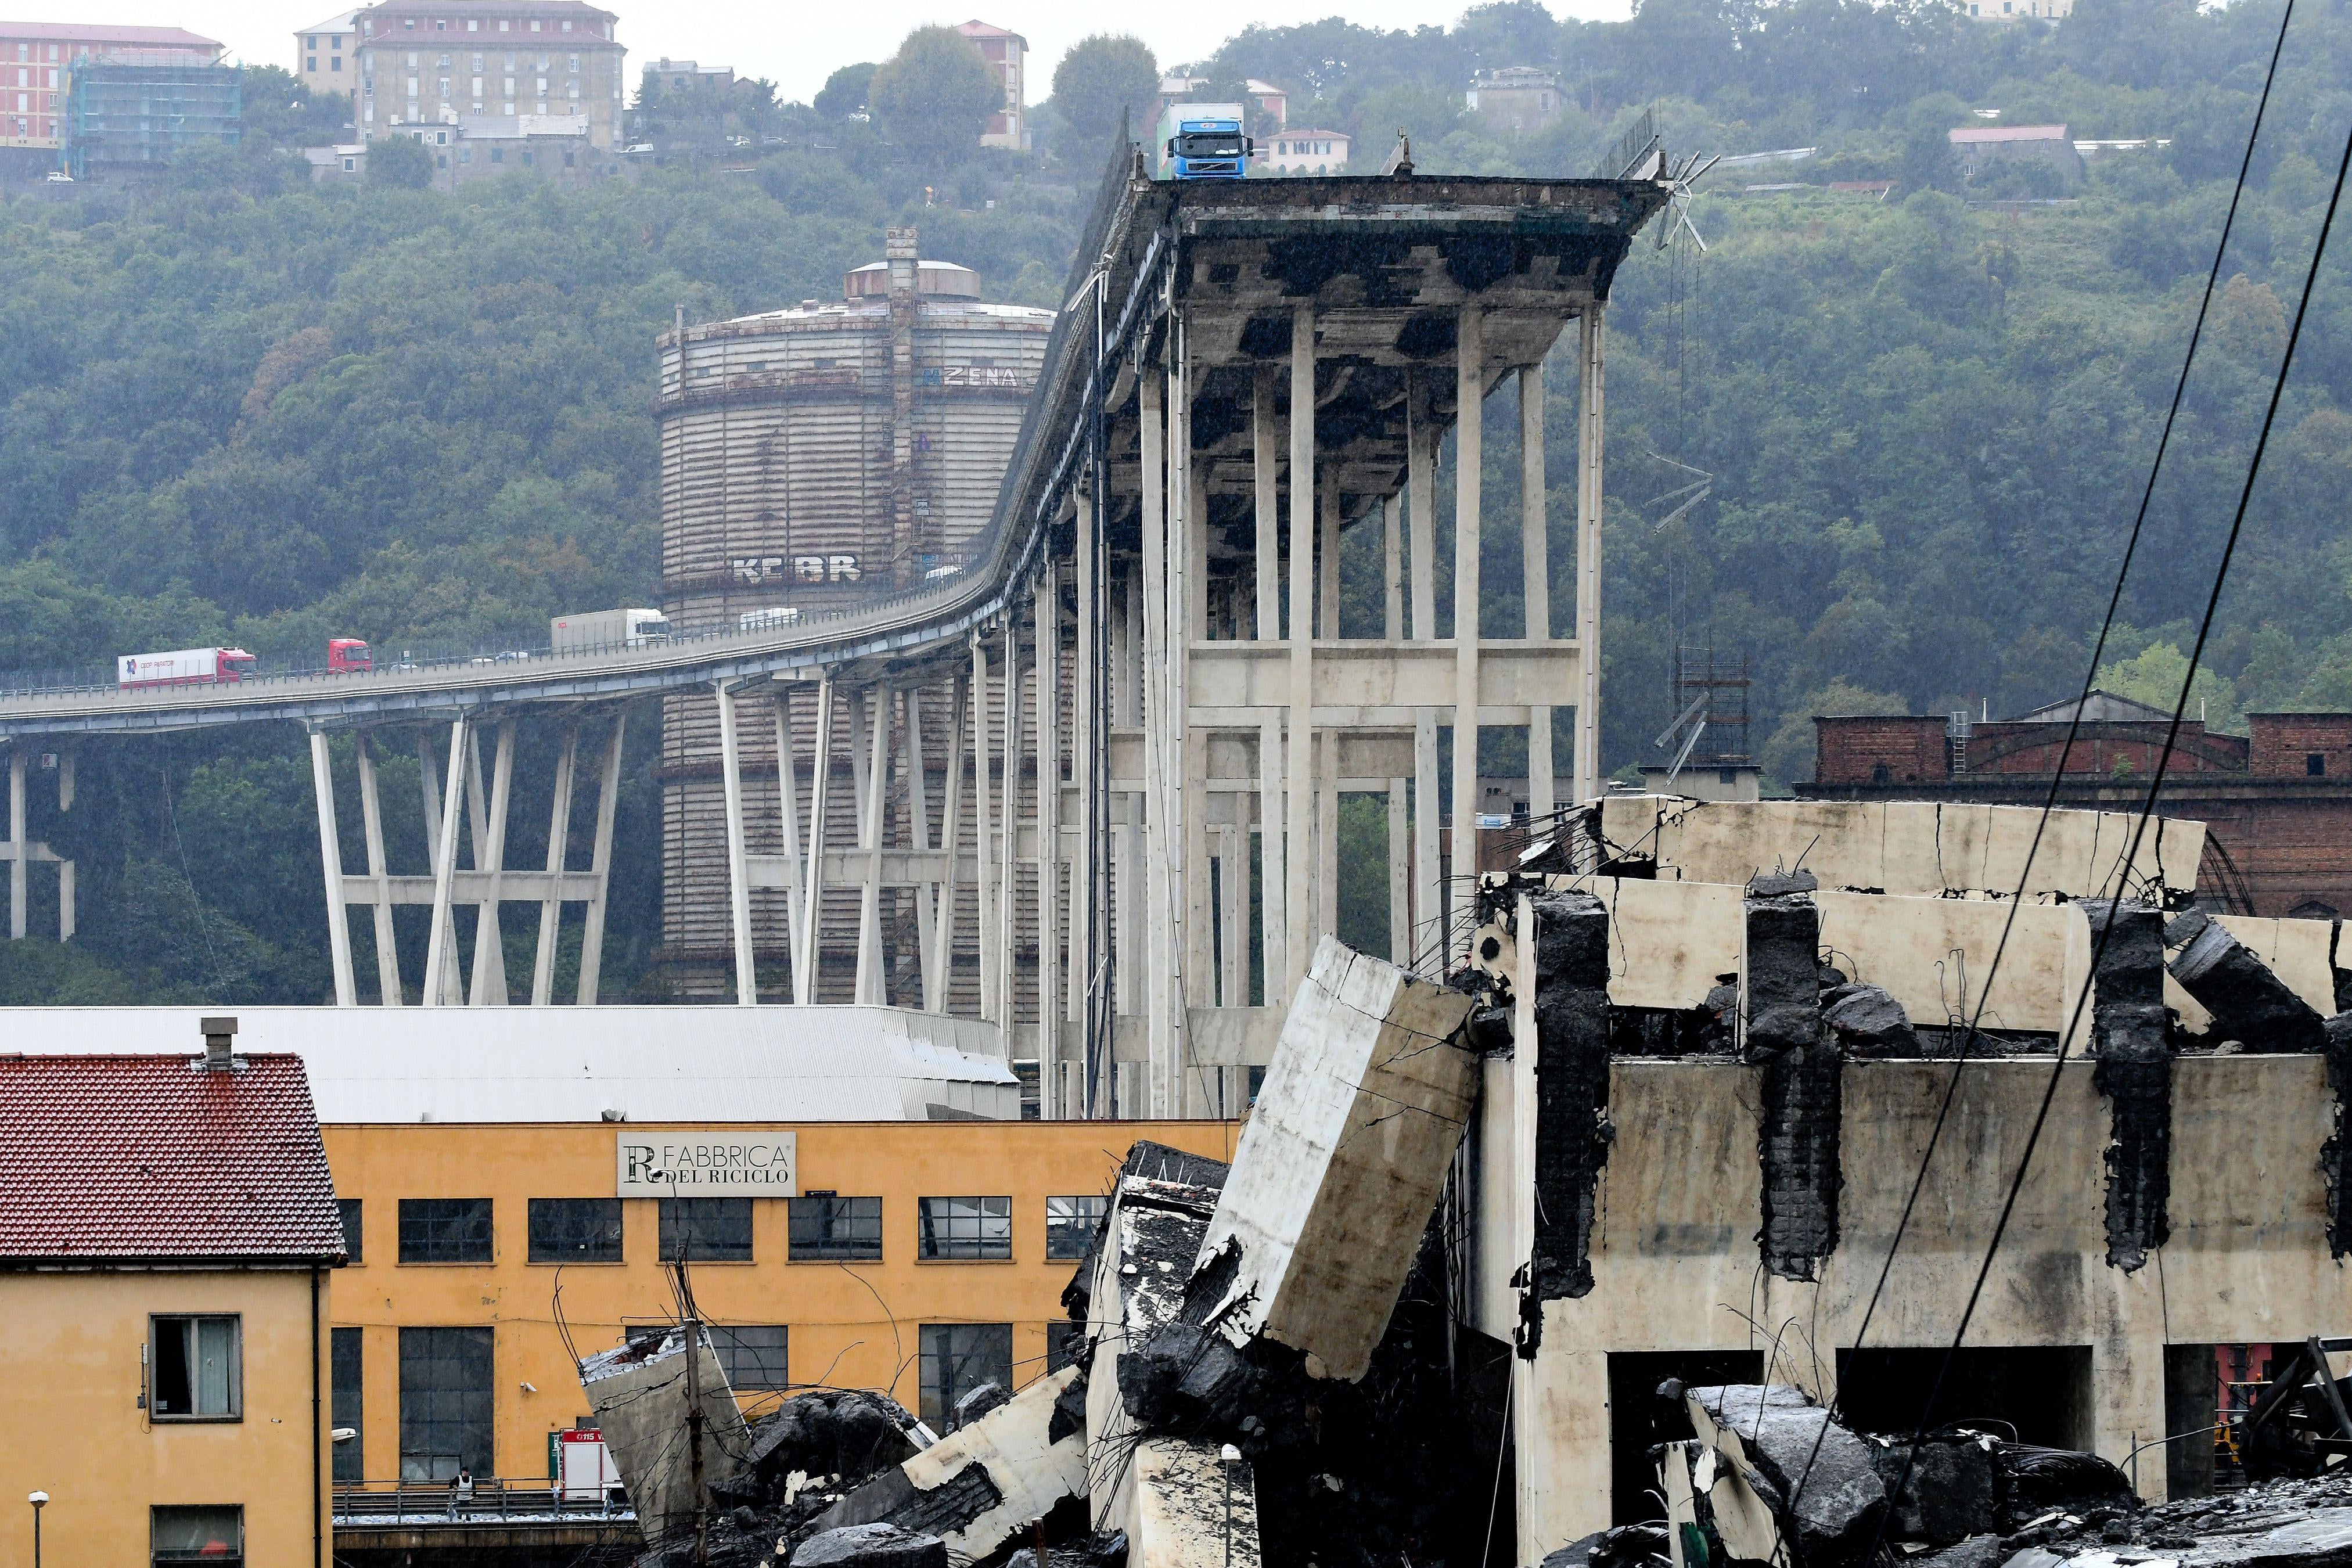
{"x":705,"y":1231}
{"x":411,"y":60}
{"x":346,"y":1401}
{"x":477,"y":90}
{"x":961,"y":1228}
{"x":445,"y":1402}
{"x":753,"y":1356}
{"x":567,"y":26}
{"x":1071,"y":1224}
{"x":2315,"y":763}
{"x":443,"y":62}
{"x":575,"y":1230}
{"x":196,"y":1369}
{"x":574,"y":59}
{"x":828,"y":1229}
{"x":442,"y":90}
{"x":208,"y":1534}
{"x":313,"y":63}
{"x":473,"y":24}
{"x":534,"y":24}
{"x":334,"y":65}
{"x":509,"y":87}
{"x":445,"y":1230}
{"x":348,"y":1209}
{"x":498,"y":154}
{"x":464,"y":154}
{"x":957,"y":1358}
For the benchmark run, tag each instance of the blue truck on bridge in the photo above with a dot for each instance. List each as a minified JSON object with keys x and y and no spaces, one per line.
{"x":1204,"y":142}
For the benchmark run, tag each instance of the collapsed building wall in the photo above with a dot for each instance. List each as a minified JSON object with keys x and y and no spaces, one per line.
{"x":1802,"y":1075}
{"x":1570,"y":1014}
{"x":2130,"y":1040}
{"x":645,"y":1396}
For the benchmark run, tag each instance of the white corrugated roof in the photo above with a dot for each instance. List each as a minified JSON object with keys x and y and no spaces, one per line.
{"x":576,"y":1064}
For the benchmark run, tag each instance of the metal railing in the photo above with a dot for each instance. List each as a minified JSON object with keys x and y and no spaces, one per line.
{"x":497,"y":1498}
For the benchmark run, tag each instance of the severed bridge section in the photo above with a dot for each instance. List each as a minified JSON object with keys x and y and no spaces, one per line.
{"x":1088,"y":789}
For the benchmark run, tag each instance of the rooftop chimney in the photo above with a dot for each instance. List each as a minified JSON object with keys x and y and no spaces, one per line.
{"x":220,"y":1034}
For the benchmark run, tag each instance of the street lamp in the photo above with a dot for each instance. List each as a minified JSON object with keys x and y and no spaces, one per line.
{"x":37,"y":1500}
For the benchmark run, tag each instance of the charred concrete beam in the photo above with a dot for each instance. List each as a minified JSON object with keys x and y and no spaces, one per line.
{"x":2134,"y":1070}
{"x":2249,"y":1003}
{"x":2336,"y":1156}
{"x":1571,"y":1072}
{"x":1803,"y":1072}
{"x":1364,"y":1104}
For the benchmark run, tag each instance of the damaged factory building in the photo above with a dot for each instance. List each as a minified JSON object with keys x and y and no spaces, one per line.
{"x":1643,"y":1235}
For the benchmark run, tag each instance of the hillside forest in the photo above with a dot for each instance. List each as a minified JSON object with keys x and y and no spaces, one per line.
{"x":237,"y":406}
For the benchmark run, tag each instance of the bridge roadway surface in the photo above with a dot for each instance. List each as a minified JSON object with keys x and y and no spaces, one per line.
{"x":1137,"y":227}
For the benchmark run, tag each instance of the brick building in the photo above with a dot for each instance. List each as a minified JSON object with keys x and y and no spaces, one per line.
{"x":35,"y":57}
{"x":434,"y":63}
{"x":2277,"y":801}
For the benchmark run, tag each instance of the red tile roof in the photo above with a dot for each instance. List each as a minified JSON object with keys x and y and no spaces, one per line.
{"x":98,"y":33}
{"x":151,"y":1158}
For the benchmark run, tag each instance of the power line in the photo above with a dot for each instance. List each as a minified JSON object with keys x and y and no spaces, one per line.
{"x":2074,"y":722}
{"x":2156,"y":786}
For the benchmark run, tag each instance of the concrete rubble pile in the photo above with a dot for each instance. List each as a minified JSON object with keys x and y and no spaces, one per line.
{"x":1369,"y":1340}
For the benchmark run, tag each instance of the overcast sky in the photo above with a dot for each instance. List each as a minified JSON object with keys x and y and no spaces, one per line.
{"x":797,"y":43}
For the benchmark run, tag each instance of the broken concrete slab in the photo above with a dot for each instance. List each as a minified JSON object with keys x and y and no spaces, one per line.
{"x":1339,"y":1166}
{"x":640,"y":1395}
{"x":982,"y":1484}
{"x":870,"y":1546}
{"x":2249,"y":1003}
{"x":1951,"y":1493}
{"x":1195,"y":1505}
{"x":1777,"y":1435}
{"x":1868,"y":1021}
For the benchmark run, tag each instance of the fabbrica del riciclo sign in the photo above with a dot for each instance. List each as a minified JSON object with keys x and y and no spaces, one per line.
{"x":687,"y":1165}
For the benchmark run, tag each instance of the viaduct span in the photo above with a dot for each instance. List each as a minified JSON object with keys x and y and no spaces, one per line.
{"x":1089,"y":788}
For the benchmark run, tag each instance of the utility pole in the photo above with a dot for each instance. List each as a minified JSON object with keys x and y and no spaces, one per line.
{"x":694,"y":1439}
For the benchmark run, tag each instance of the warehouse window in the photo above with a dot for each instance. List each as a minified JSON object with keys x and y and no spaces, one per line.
{"x":828,"y":1229}
{"x":575,"y":1230}
{"x":445,"y":1402}
{"x":2315,"y":763}
{"x":957,"y":1358}
{"x":347,"y":1406}
{"x":705,"y":1230}
{"x":445,"y":1230}
{"x":347,"y":1210}
{"x":196,"y":1367}
{"x":753,"y":1356}
{"x":208,"y":1534}
{"x":1071,"y":1224}
{"x":964,"y":1228}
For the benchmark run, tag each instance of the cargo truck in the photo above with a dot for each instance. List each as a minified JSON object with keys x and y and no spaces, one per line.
{"x":184,"y":666}
{"x":1204,"y":142}
{"x":607,"y":628}
{"x":348,"y":656}
{"x":767,"y":620}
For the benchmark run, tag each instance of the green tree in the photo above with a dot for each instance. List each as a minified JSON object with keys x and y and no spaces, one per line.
{"x":935,"y":95}
{"x":399,"y":162}
{"x":1101,"y":76}
{"x":845,"y":91}
{"x":284,"y":112}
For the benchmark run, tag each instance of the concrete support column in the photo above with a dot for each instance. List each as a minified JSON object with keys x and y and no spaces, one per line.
{"x":1428,"y":872}
{"x":805,"y":936}
{"x":387,"y":949}
{"x":1588,"y":553}
{"x":600,"y":868}
{"x":490,"y":979}
{"x":870,"y":761}
{"x":65,"y":866}
{"x":1469,"y":386}
{"x":1009,"y":846}
{"x":1421,"y":504}
{"x":918,"y":836}
{"x":1536,"y":554}
{"x":738,"y":868}
{"x":939,"y":966}
{"x":983,"y":844}
{"x":1399,"y":878}
{"x":19,"y":888}
{"x":1273,"y":871}
{"x":1393,"y":568}
{"x":1047,"y":611}
{"x":1327,"y":566}
{"x":788,"y":813}
{"x":331,"y":863}
{"x":1161,"y":994}
{"x":441,"y":943}
{"x":1088,"y":914}
{"x":1266,"y":480}
{"x":559,"y":836}
{"x":1299,"y":850}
